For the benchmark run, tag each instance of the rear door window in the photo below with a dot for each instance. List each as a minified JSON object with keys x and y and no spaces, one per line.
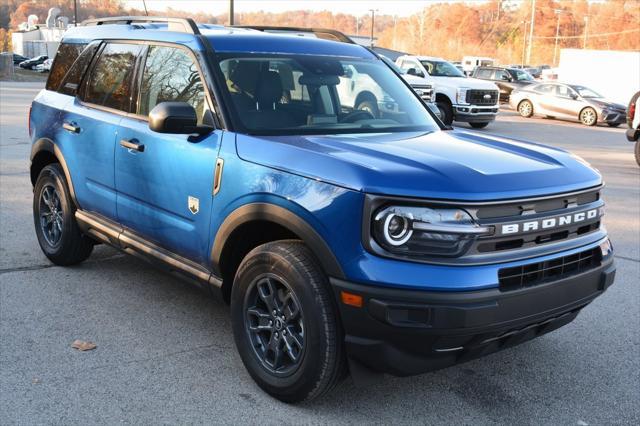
{"x":171,"y":75}
{"x":66,"y":56}
{"x":486,"y":74}
{"x":111,"y":81}
{"x":71,"y":82}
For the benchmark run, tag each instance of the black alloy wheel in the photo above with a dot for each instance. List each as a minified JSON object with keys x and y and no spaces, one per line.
{"x":275,"y":324}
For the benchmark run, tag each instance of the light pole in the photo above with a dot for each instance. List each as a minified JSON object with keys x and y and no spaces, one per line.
{"x":373,"y":17}
{"x":75,"y":13}
{"x":231,"y":12}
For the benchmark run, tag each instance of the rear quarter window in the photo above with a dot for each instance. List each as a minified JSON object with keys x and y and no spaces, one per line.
{"x":65,"y":57}
{"x":71,"y":82}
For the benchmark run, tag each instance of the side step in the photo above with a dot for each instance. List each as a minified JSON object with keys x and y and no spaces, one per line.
{"x":111,"y":233}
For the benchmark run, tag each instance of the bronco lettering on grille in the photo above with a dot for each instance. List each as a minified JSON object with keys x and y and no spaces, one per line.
{"x":550,"y":222}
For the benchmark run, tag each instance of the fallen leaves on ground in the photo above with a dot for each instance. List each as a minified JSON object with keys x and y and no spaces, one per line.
{"x":81,"y":345}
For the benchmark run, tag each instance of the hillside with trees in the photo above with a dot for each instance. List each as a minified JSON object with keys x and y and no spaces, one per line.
{"x":495,"y":28}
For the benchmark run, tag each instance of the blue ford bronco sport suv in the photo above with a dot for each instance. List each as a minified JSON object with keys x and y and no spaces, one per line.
{"x":343,"y":240}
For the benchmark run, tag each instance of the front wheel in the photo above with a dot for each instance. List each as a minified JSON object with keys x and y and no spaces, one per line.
{"x":479,"y":125}
{"x":525,"y":109}
{"x":285,"y":322}
{"x":54,"y":218}
{"x":588,"y":117}
{"x":446,"y":112}
{"x":370,"y":106}
{"x":613,"y":124}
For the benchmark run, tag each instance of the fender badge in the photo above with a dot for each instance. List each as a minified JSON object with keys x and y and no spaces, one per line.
{"x":194,"y":204}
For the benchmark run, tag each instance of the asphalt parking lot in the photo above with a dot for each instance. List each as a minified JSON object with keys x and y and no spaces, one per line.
{"x":165,"y":353}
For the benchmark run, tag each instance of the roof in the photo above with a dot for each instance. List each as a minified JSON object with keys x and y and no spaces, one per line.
{"x":424,"y":58}
{"x":221,"y":38}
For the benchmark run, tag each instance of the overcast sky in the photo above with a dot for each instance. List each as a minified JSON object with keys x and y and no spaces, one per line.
{"x":353,"y":7}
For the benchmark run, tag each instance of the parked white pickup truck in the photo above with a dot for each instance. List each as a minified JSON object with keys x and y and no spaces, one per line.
{"x":359,"y":91}
{"x":458,"y":98}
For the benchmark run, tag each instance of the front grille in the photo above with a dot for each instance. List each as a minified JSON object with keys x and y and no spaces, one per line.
{"x":541,"y":272}
{"x":424,"y":91}
{"x":477,"y":97}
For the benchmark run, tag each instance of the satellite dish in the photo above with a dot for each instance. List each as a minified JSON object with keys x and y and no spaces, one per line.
{"x":32,"y":21}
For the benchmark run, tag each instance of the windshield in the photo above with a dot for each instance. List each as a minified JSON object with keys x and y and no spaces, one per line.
{"x":585,"y":92}
{"x":521,"y":75}
{"x":276,"y":94}
{"x":441,"y":69}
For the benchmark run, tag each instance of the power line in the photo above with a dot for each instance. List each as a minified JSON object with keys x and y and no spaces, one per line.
{"x":590,"y":35}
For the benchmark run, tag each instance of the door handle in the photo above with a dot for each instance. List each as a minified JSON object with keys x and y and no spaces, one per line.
{"x":132,"y":144}
{"x":71,"y":127}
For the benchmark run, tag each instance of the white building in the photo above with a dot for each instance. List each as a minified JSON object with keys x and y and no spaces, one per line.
{"x":32,"y":39}
{"x":613,"y":74}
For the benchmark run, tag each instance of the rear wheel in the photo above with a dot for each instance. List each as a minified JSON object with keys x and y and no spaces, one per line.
{"x":525,"y":108}
{"x":285,"y":322}
{"x":637,"y":152}
{"x":588,"y":117}
{"x":479,"y":125}
{"x":54,"y":218}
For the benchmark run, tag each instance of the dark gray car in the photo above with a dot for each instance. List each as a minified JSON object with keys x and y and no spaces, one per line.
{"x":507,"y":79}
{"x":567,"y":101}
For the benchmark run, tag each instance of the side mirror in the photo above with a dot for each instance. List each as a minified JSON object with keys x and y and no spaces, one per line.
{"x":506,"y":78}
{"x":176,"y":118}
{"x":348,"y":72}
{"x":415,"y":72}
{"x":573,"y":96}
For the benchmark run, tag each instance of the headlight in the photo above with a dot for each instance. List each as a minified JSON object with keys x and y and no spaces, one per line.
{"x":433,"y":94}
{"x":461,"y":96}
{"x":423,"y":232}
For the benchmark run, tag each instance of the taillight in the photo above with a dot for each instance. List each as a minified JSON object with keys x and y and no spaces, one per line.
{"x":29,"y":120}
{"x":632,"y":111}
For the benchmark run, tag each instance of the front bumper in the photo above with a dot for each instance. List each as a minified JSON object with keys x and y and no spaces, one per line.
{"x":406,"y":332}
{"x":475,"y":114}
{"x":613,"y":117}
{"x":633,"y":135}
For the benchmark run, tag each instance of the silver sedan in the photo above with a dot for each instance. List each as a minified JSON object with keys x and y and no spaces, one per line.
{"x":567,"y":101}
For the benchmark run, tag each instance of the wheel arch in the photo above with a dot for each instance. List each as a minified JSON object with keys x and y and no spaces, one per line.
{"x":44,"y":152}
{"x":365,"y":94}
{"x":257,"y":223}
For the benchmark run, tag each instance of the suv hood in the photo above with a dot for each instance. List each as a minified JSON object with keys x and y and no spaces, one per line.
{"x":454,"y":165}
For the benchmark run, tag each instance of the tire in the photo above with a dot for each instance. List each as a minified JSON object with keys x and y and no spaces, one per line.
{"x":315,"y":362}
{"x":588,"y":117}
{"x":479,"y":125}
{"x":369,"y":105}
{"x":613,"y":124}
{"x":525,"y":109}
{"x":446,"y":112}
{"x":54,"y":218}
{"x":637,"y":152}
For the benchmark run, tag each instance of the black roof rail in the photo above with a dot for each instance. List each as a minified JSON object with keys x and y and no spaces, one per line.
{"x":184,"y":25}
{"x":323,"y":33}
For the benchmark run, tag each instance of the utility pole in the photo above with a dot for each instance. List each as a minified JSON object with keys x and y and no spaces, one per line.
{"x":373,"y":17}
{"x":231,"y":20}
{"x":144,"y":3}
{"x":586,"y":25}
{"x":75,"y":13}
{"x":533,"y":16}
{"x":524,"y":41}
{"x":558,"y":12}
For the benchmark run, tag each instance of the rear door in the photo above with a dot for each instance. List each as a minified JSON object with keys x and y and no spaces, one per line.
{"x":165,"y":189}
{"x":91,"y":124}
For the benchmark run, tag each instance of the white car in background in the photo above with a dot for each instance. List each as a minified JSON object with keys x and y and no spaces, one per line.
{"x":458,"y":98}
